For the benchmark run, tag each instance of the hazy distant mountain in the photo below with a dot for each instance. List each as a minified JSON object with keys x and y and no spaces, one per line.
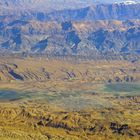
{"x":47,"y":5}
{"x":27,"y":10}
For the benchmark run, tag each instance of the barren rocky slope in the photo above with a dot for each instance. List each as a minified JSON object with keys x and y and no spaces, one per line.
{"x":71,"y":38}
{"x":27,"y":121}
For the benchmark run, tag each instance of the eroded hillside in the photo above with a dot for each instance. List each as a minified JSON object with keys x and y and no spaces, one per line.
{"x":92,"y":39}
{"x":37,"y":121}
{"x":45,"y":69}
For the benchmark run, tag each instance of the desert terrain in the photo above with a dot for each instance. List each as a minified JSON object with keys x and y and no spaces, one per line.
{"x":68,"y":99}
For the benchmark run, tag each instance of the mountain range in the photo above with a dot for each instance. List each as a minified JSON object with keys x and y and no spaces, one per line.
{"x":58,"y":27}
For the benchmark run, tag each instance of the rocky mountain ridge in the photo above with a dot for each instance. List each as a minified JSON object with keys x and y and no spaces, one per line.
{"x":71,"y":38}
{"x":73,"y":13}
{"x":99,"y":29}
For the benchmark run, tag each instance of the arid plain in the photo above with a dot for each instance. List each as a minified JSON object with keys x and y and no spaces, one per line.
{"x":69,"y":99}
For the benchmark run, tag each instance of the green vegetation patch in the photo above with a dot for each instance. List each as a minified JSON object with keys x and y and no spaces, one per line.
{"x":10,"y":95}
{"x":122,"y":87}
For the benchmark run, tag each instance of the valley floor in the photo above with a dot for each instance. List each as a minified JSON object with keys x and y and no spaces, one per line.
{"x":43,"y":99}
